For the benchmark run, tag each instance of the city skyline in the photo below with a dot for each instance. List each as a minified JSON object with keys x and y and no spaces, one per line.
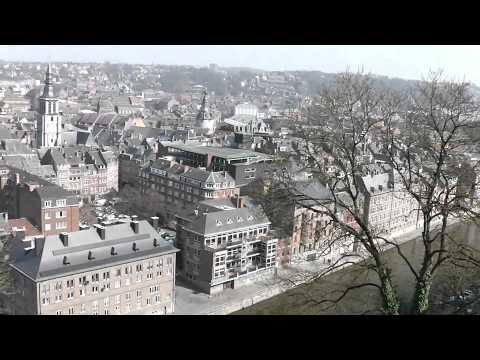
{"x":401,"y":61}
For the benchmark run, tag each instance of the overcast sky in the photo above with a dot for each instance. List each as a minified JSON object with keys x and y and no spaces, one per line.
{"x":405,"y":61}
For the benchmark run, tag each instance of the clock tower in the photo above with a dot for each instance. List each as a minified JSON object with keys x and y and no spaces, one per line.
{"x":49,"y":122}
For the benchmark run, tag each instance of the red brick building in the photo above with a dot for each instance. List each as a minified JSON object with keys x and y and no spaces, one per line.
{"x":47,"y":206}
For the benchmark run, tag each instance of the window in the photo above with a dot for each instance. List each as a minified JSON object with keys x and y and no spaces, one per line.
{"x":60,"y":214}
{"x":94,"y":289}
{"x":139,"y":293}
{"x":139,"y":268}
{"x":139,"y":278}
{"x":106,"y":275}
{"x":58,"y":298}
{"x":47,"y":227}
{"x":59,"y":312}
{"x":70,"y":311}
{"x":149,"y":276}
{"x":118,"y":272}
{"x":61,"y":225}
{"x":128,"y":296}
{"x":62,"y":202}
{"x":157,"y":299}
{"x":82,"y":292}
{"x":83,"y":308}
{"x":45,"y":301}
{"x":95,"y":277}
{"x":117,"y":299}
{"x":117,"y":284}
{"x":106,"y":302}
{"x":47,"y":215}
{"x":69,"y":283}
{"x":149,"y":301}
{"x":47,"y":203}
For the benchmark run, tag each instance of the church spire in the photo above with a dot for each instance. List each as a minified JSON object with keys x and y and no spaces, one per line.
{"x":48,"y":89}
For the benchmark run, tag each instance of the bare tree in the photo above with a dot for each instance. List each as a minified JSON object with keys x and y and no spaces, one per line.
{"x":421,"y":136}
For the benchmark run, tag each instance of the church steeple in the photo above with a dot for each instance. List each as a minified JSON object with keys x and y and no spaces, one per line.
{"x":48,"y":89}
{"x":49,"y":121}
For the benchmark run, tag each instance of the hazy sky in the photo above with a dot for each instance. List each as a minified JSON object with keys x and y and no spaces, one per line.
{"x":405,"y":61}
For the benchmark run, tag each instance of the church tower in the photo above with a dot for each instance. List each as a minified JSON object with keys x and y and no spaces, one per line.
{"x":204,"y":118}
{"x":49,"y":122}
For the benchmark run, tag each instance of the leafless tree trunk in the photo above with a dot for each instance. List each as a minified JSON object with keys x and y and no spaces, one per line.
{"x":422,"y":136}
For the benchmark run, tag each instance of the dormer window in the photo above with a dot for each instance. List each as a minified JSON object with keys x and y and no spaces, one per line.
{"x":250,"y":218}
{"x":219,"y":223}
{"x":239,"y":219}
{"x":62,"y":202}
{"x":48,"y":203}
{"x":229,"y":221}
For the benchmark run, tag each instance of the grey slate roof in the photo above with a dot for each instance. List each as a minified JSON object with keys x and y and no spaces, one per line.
{"x":120,"y":236}
{"x":219,"y":221}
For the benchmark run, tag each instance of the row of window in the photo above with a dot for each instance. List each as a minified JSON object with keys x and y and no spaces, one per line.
{"x":219,"y":240}
{"x":82,"y":308}
{"x":58,"y":226}
{"x":58,"y":203}
{"x":58,"y":215}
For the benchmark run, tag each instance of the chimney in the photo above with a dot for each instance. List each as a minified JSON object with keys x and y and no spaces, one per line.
{"x":90,"y":256}
{"x":240,"y":202}
{"x":65,"y":261}
{"x":154,"y":222}
{"x":64,"y":238}
{"x":112,"y":251}
{"x":196,"y":211}
{"x":135,"y":226}
{"x":155,"y":242}
{"x":100,"y":231}
{"x":39,"y":243}
{"x":135,"y":247}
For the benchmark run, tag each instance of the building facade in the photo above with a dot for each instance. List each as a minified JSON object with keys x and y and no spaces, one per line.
{"x":224,"y":246}
{"x":115,"y":270}
{"x":47,"y":206}
{"x":85,"y":172}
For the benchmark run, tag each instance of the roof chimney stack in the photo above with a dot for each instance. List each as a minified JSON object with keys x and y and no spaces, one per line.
{"x":135,"y":226}
{"x":39,"y":244}
{"x":64,"y":238}
{"x":154,"y":222}
{"x":100,"y":231}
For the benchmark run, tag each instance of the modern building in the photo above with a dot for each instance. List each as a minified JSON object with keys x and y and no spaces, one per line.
{"x":243,"y":165}
{"x":225,"y":244}
{"x":114,"y":270}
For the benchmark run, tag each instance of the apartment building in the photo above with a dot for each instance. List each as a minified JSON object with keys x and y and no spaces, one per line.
{"x":84,"y":171}
{"x":388,"y":208}
{"x":115,"y":270}
{"x":182,"y":186}
{"x":225,"y":244}
{"x":47,"y":206}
